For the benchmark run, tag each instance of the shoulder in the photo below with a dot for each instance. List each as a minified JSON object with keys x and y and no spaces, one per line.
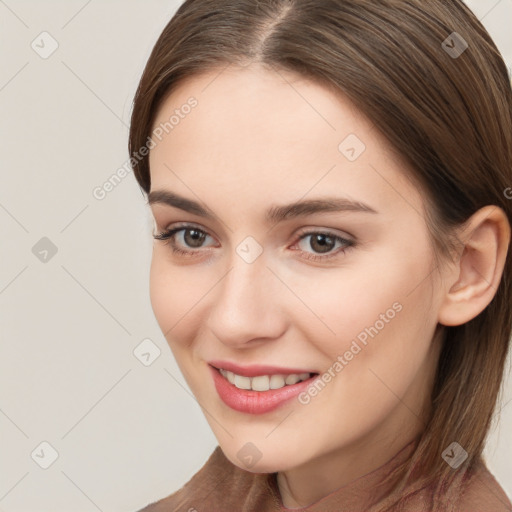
{"x":473,"y":489}
{"x":218,"y":483}
{"x":481,"y":492}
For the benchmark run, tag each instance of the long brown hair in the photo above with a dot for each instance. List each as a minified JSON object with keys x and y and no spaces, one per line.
{"x":449,"y":116}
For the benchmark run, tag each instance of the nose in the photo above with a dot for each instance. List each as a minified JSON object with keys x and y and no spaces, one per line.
{"x":248,"y":306}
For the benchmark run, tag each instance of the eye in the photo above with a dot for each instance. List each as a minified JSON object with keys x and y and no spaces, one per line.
{"x":185,"y":240}
{"x":323,"y":244}
{"x":188,"y":236}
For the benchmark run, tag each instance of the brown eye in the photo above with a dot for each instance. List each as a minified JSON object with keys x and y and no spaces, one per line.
{"x":321,"y":245}
{"x":184,"y":240}
{"x":193,"y":237}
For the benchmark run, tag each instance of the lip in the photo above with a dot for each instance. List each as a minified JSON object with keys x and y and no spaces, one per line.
{"x":256,"y":402}
{"x":257,"y":369}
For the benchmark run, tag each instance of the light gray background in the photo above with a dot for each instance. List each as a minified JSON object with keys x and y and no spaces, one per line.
{"x":126,"y":434}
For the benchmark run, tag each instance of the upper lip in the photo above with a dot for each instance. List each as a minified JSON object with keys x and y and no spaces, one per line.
{"x":256,"y":369}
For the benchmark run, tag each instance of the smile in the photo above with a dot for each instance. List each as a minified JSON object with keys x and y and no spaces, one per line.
{"x":261,"y":392}
{"x":263,"y":382}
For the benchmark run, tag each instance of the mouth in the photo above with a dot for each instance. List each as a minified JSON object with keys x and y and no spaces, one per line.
{"x":258,"y":389}
{"x":264,"y":382}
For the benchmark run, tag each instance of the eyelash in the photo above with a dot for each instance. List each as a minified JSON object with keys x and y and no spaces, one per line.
{"x":168,"y":237}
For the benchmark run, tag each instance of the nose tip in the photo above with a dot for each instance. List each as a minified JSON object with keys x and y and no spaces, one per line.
{"x":244,"y":308}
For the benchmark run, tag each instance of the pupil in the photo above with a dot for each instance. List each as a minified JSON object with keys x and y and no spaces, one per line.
{"x":196,"y":237}
{"x":325,"y":242}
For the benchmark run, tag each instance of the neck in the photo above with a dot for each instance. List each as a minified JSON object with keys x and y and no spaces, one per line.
{"x":310,"y":482}
{"x":317,"y":478}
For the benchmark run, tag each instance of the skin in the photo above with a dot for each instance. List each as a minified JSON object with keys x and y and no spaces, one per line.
{"x":279,"y":134}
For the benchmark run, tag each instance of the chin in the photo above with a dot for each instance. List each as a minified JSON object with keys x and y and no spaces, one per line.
{"x":272,"y":464}
{"x":261,"y":467}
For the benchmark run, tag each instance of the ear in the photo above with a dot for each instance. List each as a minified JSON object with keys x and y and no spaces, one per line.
{"x":473,"y":281}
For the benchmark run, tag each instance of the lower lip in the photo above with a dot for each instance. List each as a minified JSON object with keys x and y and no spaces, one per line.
{"x":255,"y":402}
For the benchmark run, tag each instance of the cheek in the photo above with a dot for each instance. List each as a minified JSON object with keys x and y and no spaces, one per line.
{"x":369,"y":291}
{"x":159,"y":291}
{"x":381,"y":347}
{"x":171,"y":291}
{"x":179,"y":297}
{"x":378,"y":315}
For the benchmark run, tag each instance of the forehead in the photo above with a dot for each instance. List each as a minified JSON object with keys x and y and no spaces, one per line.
{"x":274,"y":130}
{"x":257,"y":108}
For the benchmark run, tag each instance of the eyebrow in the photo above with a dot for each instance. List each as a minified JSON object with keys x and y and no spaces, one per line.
{"x":276,"y":213}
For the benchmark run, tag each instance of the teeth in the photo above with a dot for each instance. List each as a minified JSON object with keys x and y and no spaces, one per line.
{"x":260,"y":383}
{"x":263,"y":382}
{"x":242,"y":382}
{"x":276,"y":381}
{"x":292,"y":379}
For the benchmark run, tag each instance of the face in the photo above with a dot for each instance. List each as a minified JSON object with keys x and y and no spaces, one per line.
{"x":339,"y":292}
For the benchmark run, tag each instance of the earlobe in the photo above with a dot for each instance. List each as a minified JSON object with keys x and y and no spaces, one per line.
{"x":476,"y":276}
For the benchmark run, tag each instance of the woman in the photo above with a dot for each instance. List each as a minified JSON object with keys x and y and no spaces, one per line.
{"x":331,"y":268}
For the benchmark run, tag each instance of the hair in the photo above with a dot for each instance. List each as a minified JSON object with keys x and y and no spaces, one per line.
{"x":449,"y":118}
